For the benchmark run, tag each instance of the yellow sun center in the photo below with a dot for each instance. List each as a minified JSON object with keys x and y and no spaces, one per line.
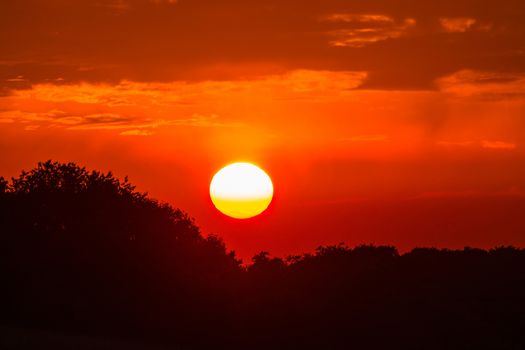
{"x":241,"y":190}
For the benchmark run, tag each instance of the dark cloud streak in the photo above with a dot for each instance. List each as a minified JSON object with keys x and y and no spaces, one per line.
{"x":59,"y":41}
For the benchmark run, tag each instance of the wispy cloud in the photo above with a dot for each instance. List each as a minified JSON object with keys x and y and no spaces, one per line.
{"x":134,"y":108}
{"x":359,"y":18}
{"x":18,"y":79}
{"x":487,"y":144}
{"x":484,"y":85}
{"x":31,"y":127}
{"x":292,"y":84}
{"x":136,"y":132}
{"x":498,"y":145}
{"x":358,"y":30}
{"x":457,"y":24}
{"x":199,"y":120}
{"x":126,"y":125}
{"x":365,"y":138}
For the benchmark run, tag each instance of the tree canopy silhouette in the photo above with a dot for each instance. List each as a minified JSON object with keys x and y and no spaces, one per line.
{"x":82,"y":252}
{"x":78,"y":243}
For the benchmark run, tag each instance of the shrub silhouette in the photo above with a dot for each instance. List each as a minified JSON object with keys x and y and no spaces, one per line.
{"x":82,"y":252}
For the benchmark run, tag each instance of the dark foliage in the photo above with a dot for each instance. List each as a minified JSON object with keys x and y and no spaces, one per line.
{"x":84,"y":253}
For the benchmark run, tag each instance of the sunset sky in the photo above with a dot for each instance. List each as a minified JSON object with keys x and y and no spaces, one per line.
{"x":388,"y":122}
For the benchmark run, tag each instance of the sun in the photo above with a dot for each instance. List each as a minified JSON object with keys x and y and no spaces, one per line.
{"x":241,"y":190}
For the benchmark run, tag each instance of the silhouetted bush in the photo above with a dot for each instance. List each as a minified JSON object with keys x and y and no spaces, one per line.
{"x":85,"y":253}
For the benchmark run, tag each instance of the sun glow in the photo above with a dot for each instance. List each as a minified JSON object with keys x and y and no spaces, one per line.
{"x":241,"y":190}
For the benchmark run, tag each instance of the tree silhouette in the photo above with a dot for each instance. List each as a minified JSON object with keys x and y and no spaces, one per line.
{"x":3,"y":185}
{"x":88,"y":244}
{"x":82,"y":252}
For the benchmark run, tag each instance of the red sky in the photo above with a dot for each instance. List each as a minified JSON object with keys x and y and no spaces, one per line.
{"x":387,"y":122}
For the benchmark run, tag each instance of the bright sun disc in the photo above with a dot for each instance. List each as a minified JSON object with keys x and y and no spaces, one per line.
{"x":241,"y":190}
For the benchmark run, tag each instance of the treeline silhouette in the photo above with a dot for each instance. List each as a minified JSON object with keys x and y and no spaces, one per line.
{"x":85,"y":253}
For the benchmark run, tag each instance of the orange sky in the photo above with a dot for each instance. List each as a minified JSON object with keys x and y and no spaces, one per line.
{"x":388,"y":122}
